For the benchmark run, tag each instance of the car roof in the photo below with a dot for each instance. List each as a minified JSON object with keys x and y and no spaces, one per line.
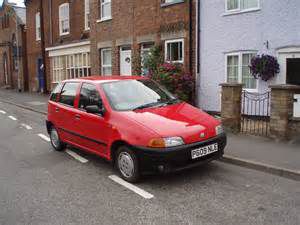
{"x":105,"y":79}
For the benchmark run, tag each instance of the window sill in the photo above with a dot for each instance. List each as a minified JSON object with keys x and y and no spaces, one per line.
{"x":171,"y":3}
{"x":178,"y":62}
{"x":103,"y":19}
{"x":229,"y":13}
{"x":64,"y":34}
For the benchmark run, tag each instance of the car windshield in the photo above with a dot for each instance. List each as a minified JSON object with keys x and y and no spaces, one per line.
{"x":126,"y":95}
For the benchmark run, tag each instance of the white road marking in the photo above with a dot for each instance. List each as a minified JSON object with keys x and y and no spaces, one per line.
{"x":76,"y":156}
{"x":2,"y":112}
{"x":131,"y":187}
{"x":12,"y":118}
{"x":26,"y":126}
{"x":44,"y":137}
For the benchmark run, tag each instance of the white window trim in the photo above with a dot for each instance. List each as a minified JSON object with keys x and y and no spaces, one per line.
{"x":102,"y":64}
{"x":61,"y":33}
{"x":239,"y":10}
{"x":86,"y":14}
{"x":37,"y":34}
{"x":240,"y":68}
{"x":101,"y":12}
{"x":174,"y":41}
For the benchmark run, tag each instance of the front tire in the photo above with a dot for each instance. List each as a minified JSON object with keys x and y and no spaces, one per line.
{"x":127,"y":164}
{"x":56,"y":143}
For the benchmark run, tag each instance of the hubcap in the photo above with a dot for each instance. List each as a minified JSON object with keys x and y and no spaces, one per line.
{"x":126,"y":164}
{"x":54,"y":138}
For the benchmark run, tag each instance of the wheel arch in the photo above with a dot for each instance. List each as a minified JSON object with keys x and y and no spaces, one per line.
{"x":114,"y":147}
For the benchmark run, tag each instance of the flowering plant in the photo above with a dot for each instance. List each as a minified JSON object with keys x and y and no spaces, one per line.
{"x":264,"y":66}
{"x":170,"y":75}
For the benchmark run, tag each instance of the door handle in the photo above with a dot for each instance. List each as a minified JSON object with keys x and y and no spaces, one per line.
{"x":56,"y":109}
{"x":77,"y":116}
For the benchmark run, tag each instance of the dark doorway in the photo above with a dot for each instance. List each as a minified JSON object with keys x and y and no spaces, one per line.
{"x":293,"y":71}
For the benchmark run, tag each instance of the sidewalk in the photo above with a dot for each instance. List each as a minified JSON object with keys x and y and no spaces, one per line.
{"x":253,"y":152}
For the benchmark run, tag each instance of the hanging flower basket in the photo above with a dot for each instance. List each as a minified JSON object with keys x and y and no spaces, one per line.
{"x":264,"y":66}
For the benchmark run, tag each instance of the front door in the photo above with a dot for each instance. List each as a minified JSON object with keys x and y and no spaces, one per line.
{"x":125,"y":61}
{"x":293,"y":71}
{"x":40,"y":74}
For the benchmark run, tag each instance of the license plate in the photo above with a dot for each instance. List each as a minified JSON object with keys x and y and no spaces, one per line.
{"x":203,"y":151}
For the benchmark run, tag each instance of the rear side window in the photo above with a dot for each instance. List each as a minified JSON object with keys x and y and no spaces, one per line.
{"x":89,"y":95}
{"x":68,"y":94}
{"x":55,"y":93}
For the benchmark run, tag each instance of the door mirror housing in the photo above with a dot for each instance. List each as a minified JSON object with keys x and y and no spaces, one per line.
{"x":94,"y":109}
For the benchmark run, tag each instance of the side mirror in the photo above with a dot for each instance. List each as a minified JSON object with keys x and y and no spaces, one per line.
{"x":94,"y":109}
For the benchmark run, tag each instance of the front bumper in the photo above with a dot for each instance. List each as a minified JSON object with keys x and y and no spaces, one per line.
{"x":177,"y":158}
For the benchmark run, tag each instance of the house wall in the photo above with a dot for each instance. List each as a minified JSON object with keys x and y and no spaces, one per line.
{"x":135,"y":22}
{"x":51,"y":34}
{"x":6,"y":46}
{"x":275,"y":22}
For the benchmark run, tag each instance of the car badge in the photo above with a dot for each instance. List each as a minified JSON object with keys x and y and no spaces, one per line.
{"x":202,"y":135}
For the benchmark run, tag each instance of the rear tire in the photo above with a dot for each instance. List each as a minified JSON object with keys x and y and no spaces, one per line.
{"x":127,"y":164}
{"x":56,"y":143}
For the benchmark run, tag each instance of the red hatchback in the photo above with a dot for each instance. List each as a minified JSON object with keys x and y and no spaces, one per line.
{"x":134,"y":123}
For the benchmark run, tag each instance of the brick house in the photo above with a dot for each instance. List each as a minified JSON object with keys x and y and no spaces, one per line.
{"x":122,"y":32}
{"x":13,"y":63}
{"x":104,"y":37}
{"x":61,"y":29}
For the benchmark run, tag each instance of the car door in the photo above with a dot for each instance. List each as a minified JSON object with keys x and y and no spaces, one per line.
{"x":94,"y":129}
{"x":67,"y":112}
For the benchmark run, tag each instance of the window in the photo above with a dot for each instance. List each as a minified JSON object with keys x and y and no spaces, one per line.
{"x":238,"y":70}
{"x":5,"y":21}
{"x":105,"y":9}
{"x":168,"y":2}
{"x":38,"y":26}
{"x":55,"y":93}
{"x":241,"y":5}
{"x":145,"y":52}
{"x":89,"y":95}
{"x":64,"y":20}
{"x":68,"y":93}
{"x":58,"y":69}
{"x":87,"y":14}
{"x":174,"y":51}
{"x":106,"y":62}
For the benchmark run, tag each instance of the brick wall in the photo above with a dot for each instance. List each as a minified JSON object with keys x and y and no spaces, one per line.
{"x":134,"y":21}
{"x":6,"y":33}
{"x":51,"y":33}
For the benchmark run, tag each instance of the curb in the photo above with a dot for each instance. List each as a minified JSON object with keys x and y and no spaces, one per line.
{"x":282,"y":172}
{"x":23,"y":107}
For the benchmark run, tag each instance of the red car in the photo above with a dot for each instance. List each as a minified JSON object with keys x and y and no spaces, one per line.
{"x":134,"y":123}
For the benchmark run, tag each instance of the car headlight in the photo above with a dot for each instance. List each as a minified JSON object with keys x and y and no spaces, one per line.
{"x":219,"y":129}
{"x":165,"y":142}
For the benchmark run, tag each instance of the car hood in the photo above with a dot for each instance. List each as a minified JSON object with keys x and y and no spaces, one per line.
{"x":180,"y":119}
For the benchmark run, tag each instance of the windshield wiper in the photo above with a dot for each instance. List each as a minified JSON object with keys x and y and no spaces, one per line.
{"x":148,"y":105}
{"x":172,"y":101}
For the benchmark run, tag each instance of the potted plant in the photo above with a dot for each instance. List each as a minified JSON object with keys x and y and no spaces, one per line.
{"x":264,"y":66}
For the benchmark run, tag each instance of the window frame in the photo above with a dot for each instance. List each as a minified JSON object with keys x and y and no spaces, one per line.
{"x":87,"y":15}
{"x":166,"y":50}
{"x":60,"y":19}
{"x":239,"y":10}
{"x":102,"y":64}
{"x":240,"y":67}
{"x":102,"y":4}
{"x":38,"y":26}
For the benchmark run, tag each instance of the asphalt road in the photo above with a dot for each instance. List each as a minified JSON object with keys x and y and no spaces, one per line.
{"x":39,"y":187}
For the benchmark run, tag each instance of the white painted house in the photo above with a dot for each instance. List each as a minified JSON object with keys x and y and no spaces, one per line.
{"x":233,"y":31}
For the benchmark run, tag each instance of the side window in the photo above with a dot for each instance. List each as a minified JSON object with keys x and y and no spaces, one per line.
{"x":55,"y":93}
{"x":89,"y":95}
{"x":68,"y":94}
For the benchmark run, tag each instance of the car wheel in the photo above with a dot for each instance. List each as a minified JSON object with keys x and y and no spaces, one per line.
{"x":127,"y":164}
{"x":56,"y":143}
